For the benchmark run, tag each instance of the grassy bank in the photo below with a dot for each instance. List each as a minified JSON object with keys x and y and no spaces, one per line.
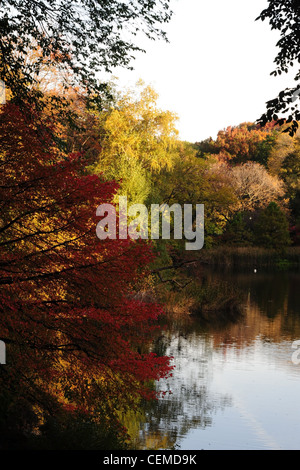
{"x":190,"y":293}
{"x":251,"y":256}
{"x":186,"y":290}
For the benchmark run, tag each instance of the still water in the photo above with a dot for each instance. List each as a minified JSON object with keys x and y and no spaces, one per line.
{"x":235,"y":385}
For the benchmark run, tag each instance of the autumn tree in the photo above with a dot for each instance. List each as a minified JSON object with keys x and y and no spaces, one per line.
{"x":283,"y":145}
{"x":254,"y":186}
{"x":194,"y":180}
{"x":239,"y":144}
{"x":290,"y":170}
{"x":137,"y":140}
{"x":78,"y":339}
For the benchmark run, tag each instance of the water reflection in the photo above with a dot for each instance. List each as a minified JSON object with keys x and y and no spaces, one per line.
{"x":191,"y":404}
{"x":234,"y":386}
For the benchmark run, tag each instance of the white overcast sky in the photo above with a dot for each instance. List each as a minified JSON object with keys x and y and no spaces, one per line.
{"x":215,"y":71}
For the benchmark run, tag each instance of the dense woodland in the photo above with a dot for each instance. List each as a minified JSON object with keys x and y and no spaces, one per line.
{"x":64,"y":292}
{"x":76,"y":316}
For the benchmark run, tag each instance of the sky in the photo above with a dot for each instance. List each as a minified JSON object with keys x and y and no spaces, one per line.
{"x":215,"y":70}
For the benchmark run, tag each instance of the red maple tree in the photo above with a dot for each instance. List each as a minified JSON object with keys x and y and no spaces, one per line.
{"x":77,"y":338}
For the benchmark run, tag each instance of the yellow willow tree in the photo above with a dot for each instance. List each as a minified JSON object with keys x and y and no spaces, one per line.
{"x":138,"y":140}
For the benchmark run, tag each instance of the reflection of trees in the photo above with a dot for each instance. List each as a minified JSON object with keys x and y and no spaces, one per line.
{"x":272,"y":316}
{"x":191,"y":403}
{"x":269,"y":292}
{"x":272,"y":308}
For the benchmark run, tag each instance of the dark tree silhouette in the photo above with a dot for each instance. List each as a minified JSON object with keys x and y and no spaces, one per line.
{"x":284,"y":15}
{"x":80,"y":37}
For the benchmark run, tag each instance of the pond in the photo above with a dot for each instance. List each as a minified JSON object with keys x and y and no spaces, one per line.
{"x":235,"y":385}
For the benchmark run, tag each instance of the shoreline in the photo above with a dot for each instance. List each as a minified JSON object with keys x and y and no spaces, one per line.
{"x":251,"y":257}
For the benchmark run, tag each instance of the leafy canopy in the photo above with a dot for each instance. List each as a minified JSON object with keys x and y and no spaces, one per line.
{"x":77,"y":337}
{"x":81,"y":37}
{"x":283,"y":15}
{"x":138,"y":140}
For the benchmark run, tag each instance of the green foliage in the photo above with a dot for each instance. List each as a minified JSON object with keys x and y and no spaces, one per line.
{"x":238,"y":230}
{"x":271,"y":228}
{"x":193,"y":180}
{"x":206,"y":148}
{"x":295,"y":207}
{"x":264,"y":149}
